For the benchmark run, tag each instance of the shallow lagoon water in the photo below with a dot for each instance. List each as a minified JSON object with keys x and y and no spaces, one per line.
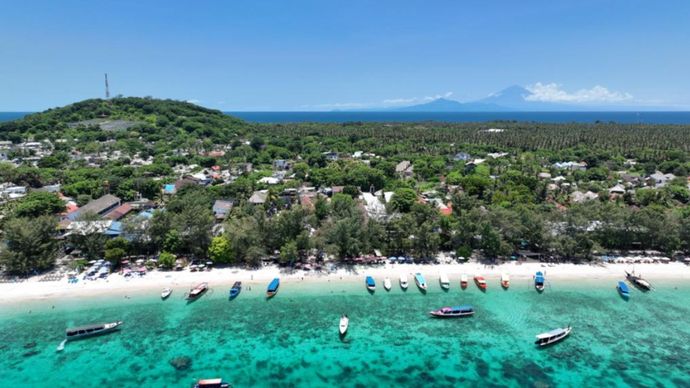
{"x":292,"y":339}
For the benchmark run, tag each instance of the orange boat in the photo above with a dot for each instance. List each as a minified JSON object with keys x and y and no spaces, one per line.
{"x":480,"y":282}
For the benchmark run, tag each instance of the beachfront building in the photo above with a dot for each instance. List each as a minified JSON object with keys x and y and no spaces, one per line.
{"x":100,"y":206}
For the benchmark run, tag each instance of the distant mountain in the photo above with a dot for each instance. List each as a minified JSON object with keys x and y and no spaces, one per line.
{"x":445,"y":105}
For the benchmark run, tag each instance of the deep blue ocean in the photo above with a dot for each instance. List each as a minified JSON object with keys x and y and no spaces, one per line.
{"x":450,"y":117}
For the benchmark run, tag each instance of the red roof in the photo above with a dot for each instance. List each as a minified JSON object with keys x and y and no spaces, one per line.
{"x":119,"y":212}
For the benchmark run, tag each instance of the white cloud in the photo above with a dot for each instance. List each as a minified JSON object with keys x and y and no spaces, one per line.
{"x":193,"y":101}
{"x":552,"y":92}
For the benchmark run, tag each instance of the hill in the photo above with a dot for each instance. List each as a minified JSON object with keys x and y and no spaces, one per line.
{"x":445,"y":105}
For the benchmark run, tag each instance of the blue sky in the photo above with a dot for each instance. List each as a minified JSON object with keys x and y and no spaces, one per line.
{"x":322,"y":55}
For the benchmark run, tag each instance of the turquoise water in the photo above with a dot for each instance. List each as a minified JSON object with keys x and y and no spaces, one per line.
{"x":292,"y":339}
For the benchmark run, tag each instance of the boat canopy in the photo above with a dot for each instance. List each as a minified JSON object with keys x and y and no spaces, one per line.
{"x":539,"y":277}
{"x":274,"y":284}
{"x":370,"y":281}
{"x":419,"y":277}
{"x":465,"y":307}
{"x":552,"y":333}
{"x":623,"y":286}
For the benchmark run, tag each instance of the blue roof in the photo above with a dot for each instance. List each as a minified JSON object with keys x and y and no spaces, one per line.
{"x":169,"y":188}
{"x":115,"y":229}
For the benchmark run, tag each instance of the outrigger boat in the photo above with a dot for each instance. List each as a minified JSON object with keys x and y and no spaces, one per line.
{"x":505,"y":280}
{"x":80,"y":332}
{"x":387,"y":284}
{"x":235,"y":290}
{"x":480,"y":282}
{"x":539,"y":281}
{"x":443,"y":281}
{"x":197,"y":291}
{"x":370,"y":283}
{"x":166,"y":293}
{"x":211,"y":383}
{"x":344,"y":323}
{"x":552,"y":336}
{"x":419,"y":280}
{"x":273,"y":288}
{"x":453,"y":312}
{"x":403,"y":281}
{"x":623,"y":289}
{"x":463,"y":281}
{"x":638,"y":281}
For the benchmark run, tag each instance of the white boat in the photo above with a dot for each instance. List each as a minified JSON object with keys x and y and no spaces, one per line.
{"x":166,"y":293}
{"x":463,"y":281}
{"x":403,"y":282}
{"x":344,"y":323}
{"x":91,"y":330}
{"x":505,"y":280}
{"x":552,"y":336}
{"x":387,"y":284}
{"x":419,"y":279}
{"x":443,"y":280}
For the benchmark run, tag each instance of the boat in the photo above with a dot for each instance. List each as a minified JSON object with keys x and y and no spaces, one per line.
{"x":344,"y":323}
{"x":79,"y":332}
{"x":638,"y":281}
{"x":273,"y":288}
{"x":480,"y":282}
{"x":403,"y":282}
{"x":505,"y":280}
{"x":166,"y":293}
{"x":371,"y":284}
{"x":211,"y":383}
{"x":539,"y":281}
{"x":443,"y":281}
{"x":623,"y":289}
{"x":235,"y":290}
{"x":387,"y":284}
{"x":419,"y":279}
{"x":197,"y":291}
{"x":552,"y":336}
{"x":453,"y":312}
{"x":463,"y":281}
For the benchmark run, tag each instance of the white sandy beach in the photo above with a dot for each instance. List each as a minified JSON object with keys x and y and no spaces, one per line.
{"x":154,"y":282}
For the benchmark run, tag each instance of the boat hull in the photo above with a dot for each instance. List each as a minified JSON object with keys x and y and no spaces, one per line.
{"x":91,"y":331}
{"x":437,"y":314}
{"x":554,"y":339}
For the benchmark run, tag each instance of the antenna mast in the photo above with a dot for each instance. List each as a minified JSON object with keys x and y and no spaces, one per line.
{"x":107,"y":90}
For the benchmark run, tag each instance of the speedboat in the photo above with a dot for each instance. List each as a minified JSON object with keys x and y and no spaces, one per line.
{"x":197,"y":291}
{"x":79,"y":332}
{"x":539,"y":281}
{"x":463,"y":281}
{"x":505,"y":280}
{"x":235,"y":290}
{"x":166,"y":293}
{"x":273,"y":288}
{"x":480,"y":282}
{"x":638,"y":281}
{"x":623,"y":290}
{"x":387,"y":284}
{"x":211,"y":383}
{"x":419,"y":279}
{"x":371,"y":284}
{"x":552,"y":336}
{"x":453,"y":312}
{"x":344,"y":323}
{"x":403,"y":281}
{"x":443,"y":281}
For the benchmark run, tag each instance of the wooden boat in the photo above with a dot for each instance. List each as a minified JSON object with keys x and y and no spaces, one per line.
{"x":419,"y":280}
{"x":480,"y":282}
{"x":80,"y":332}
{"x":197,"y":291}
{"x":273,"y":288}
{"x":371,"y":284}
{"x":552,"y":336}
{"x":453,"y":312}
{"x":539,"y":281}
{"x":403,"y":282}
{"x":344,"y":323}
{"x":505,"y":280}
{"x":443,"y":280}
{"x":638,"y":281}
{"x":463,"y":281}
{"x":623,"y":290}
{"x":211,"y":383}
{"x":235,"y":290}
{"x":387,"y":284}
{"x":166,"y":293}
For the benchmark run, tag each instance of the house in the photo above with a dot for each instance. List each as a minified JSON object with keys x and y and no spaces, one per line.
{"x":269,"y":180}
{"x":475,"y":162}
{"x":281,"y":164}
{"x":461,"y":157}
{"x":544,"y":175}
{"x":331,"y":155}
{"x":617,"y":190}
{"x":658,"y":179}
{"x":50,"y":188}
{"x":405,"y":169}
{"x":221,"y":209}
{"x":100,"y":206}
{"x":258,"y":197}
{"x":119,"y":212}
{"x":374,"y":206}
{"x":497,"y":155}
{"x":8,"y":191}
{"x":574,"y":166}
{"x":579,"y":197}
{"x":357,"y":154}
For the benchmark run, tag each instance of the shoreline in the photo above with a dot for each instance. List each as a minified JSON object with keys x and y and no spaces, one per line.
{"x":116,"y":285}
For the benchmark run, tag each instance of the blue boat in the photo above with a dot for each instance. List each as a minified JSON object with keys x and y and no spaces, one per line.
{"x":273,"y":288}
{"x":419,"y":280}
{"x":453,"y":312}
{"x":623,"y":289}
{"x":539,"y":281}
{"x":371,"y":284}
{"x":235,"y":290}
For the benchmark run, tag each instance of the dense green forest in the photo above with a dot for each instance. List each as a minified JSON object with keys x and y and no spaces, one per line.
{"x":487,"y":189}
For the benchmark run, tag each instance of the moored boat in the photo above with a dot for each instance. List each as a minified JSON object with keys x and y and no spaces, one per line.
{"x":403,"y":282}
{"x":623,"y":289}
{"x":273,"y":288}
{"x":370,"y":283}
{"x":344,"y":324}
{"x":444,"y":281}
{"x":453,"y":312}
{"x":235,"y":290}
{"x":480,"y":282}
{"x":552,"y":336}
{"x":387,"y":284}
{"x":539,"y":281}
{"x":505,"y":280}
{"x":463,"y":281}
{"x":166,"y":293}
{"x":211,"y":383}
{"x":79,"y":332}
{"x":638,"y":281}
{"x":197,"y":291}
{"x":419,"y":280}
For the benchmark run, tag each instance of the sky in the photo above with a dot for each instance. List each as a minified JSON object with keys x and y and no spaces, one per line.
{"x":343,"y":54}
